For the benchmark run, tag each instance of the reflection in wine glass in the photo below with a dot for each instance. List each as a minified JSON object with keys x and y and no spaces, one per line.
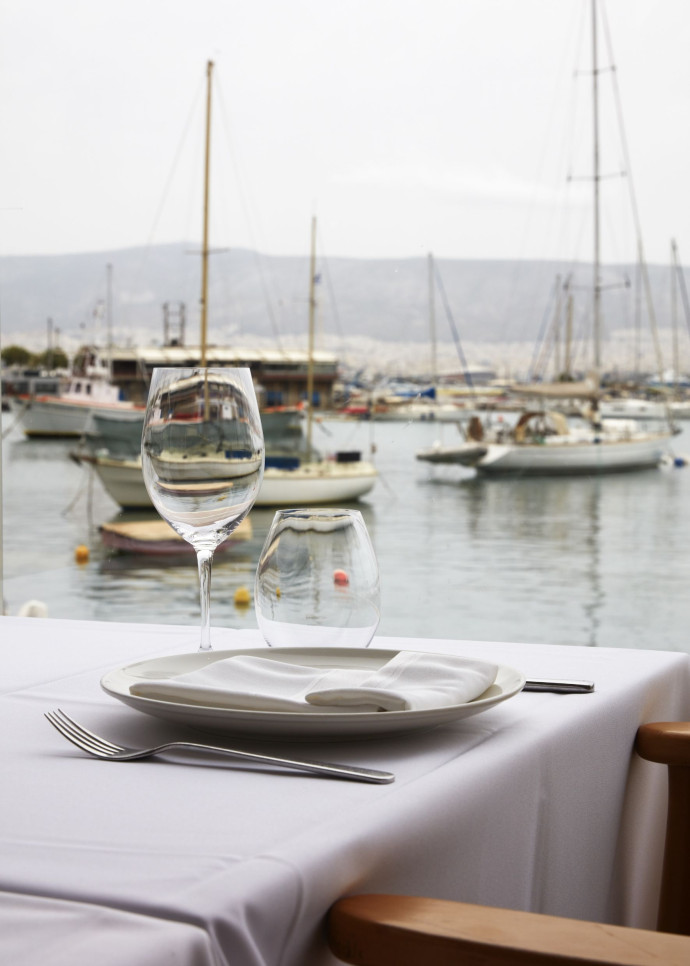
{"x":317,"y":582}
{"x":202,"y":454}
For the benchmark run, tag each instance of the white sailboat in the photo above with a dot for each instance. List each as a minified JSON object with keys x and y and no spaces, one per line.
{"x":543,"y":441}
{"x":311,"y":482}
{"x":288,"y":481}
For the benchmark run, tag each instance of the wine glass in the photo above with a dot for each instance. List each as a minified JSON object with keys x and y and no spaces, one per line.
{"x":317,"y":581}
{"x":202,"y":454}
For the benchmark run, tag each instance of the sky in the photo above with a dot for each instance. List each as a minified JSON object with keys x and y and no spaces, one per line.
{"x":404,"y":126}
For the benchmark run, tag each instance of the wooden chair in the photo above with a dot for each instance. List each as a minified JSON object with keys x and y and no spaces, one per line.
{"x":390,"y":930}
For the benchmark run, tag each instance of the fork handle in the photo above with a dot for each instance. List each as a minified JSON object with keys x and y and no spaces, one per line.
{"x":353,"y":772}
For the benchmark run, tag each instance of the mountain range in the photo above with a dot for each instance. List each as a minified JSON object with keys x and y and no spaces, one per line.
{"x":481,"y":305}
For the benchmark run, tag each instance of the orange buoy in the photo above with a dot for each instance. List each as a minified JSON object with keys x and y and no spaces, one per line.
{"x":340,"y":578}
{"x":81,"y":554}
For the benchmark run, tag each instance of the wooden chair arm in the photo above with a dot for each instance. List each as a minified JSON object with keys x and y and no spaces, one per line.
{"x":385,"y":930}
{"x":667,"y":742}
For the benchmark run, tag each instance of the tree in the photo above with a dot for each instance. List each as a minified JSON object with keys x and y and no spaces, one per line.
{"x":15,"y":355}
{"x":52,"y":359}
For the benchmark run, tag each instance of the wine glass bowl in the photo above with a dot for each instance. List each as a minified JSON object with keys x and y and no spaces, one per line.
{"x":317,"y":581}
{"x":202,"y":455}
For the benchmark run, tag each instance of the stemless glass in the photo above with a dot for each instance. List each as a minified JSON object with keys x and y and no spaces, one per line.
{"x":202,"y":455}
{"x":317,"y":582}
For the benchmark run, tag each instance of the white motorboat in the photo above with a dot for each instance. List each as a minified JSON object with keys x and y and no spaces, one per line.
{"x":67,"y":414}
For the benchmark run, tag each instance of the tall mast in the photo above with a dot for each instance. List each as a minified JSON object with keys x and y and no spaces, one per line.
{"x":204,"y":249}
{"x":597,"y":254}
{"x":312,"y":314}
{"x":674,"y":319}
{"x":109,"y":316}
{"x":432,"y":323}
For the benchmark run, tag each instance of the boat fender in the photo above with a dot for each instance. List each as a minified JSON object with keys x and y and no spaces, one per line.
{"x":81,"y":554}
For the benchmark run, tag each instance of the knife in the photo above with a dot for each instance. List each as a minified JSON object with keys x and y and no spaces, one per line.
{"x":559,"y":687}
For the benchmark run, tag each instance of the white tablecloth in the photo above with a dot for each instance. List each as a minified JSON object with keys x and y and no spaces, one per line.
{"x":537,"y":803}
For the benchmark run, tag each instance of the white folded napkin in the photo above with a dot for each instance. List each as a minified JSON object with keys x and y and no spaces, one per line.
{"x":410,"y":681}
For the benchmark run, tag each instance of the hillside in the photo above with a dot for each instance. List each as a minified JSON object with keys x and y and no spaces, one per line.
{"x":259,"y":298}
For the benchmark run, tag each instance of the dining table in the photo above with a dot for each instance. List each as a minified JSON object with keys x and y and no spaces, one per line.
{"x":538,"y":802}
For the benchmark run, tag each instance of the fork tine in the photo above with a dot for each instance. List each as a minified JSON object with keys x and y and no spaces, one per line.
{"x":77,"y":735}
{"x":101,"y":743}
{"x":65,"y":731}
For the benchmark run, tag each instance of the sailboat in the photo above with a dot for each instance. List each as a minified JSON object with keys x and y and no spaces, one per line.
{"x":310,"y":482}
{"x":542,"y":441}
{"x":289,"y":480}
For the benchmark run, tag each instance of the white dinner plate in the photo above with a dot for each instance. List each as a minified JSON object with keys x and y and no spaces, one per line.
{"x":282,"y":724}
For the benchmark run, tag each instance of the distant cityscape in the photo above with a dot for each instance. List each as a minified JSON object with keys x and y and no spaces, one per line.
{"x":373,"y":314}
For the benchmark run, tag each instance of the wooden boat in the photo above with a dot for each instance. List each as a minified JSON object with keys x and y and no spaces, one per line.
{"x":156,"y":537}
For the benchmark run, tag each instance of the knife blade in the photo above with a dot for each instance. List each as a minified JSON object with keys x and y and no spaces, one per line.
{"x":559,"y":687}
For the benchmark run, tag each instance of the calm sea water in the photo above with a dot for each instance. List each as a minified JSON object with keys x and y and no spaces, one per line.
{"x":600,"y":562}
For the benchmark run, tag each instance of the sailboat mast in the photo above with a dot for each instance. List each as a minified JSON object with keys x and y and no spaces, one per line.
{"x":312,"y":314}
{"x":432,"y":324}
{"x":674,"y":320}
{"x":595,"y":141}
{"x":109,"y":317}
{"x":204,"y":249}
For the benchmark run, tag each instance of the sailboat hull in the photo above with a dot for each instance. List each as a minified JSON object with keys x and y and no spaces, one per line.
{"x":571,"y":458}
{"x":311,"y":484}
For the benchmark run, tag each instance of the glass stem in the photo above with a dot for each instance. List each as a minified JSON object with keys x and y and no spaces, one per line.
{"x":204,"y":559}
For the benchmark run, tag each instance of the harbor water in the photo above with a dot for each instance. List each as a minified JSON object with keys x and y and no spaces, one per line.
{"x":603,"y":562}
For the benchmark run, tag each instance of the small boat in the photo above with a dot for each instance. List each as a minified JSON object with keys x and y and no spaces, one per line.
{"x":463,"y":454}
{"x":156,"y":537}
{"x":66,"y":414}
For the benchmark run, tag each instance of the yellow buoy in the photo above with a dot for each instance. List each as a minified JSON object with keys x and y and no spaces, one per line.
{"x":242,"y":597}
{"x":81,"y":554}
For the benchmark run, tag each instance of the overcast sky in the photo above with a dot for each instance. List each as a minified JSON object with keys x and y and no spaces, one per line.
{"x":406,"y":126}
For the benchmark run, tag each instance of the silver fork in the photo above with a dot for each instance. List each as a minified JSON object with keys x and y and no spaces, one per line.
{"x":99,"y":747}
